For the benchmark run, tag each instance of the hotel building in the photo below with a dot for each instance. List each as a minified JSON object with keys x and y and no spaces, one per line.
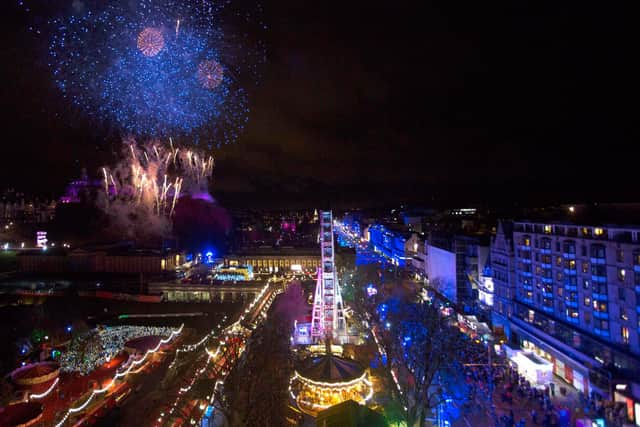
{"x":571,"y":293}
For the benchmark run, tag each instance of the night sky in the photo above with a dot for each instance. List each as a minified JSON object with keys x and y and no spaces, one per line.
{"x":371,"y":102}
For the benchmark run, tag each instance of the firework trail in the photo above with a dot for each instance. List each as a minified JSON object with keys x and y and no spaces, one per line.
{"x":142,"y":190}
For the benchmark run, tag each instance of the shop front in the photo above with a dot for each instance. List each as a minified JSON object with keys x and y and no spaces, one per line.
{"x":563,"y":366}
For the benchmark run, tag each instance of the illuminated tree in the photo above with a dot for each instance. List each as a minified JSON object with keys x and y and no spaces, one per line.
{"x":423,"y":344}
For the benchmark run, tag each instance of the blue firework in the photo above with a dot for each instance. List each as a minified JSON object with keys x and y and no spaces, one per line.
{"x":157,"y":67}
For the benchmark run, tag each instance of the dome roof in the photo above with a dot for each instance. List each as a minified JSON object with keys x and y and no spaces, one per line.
{"x":330,"y":369}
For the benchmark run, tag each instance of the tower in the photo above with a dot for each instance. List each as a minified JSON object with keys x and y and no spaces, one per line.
{"x":327,"y":319}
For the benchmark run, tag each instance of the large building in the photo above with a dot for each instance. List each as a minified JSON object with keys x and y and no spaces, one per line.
{"x":395,"y":245}
{"x":116,"y":261}
{"x":272,"y":260}
{"x":454,"y":264}
{"x":571,"y":294}
{"x":504,"y":276}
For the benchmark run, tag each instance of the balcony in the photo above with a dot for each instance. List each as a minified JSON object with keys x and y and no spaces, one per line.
{"x":547,"y":294}
{"x":636,"y":268}
{"x":570,"y":271}
{"x":599,"y":297}
{"x":527,"y":273}
{"x":568,"y":255}
{"x":527,"y":300}
{"x":573,"y":320}
{"x":525,"y":247}
{"x":547,"y":309}
{"x":526,"y":260}
{"x":598,"y":279}
{"x":572,"y":304}
{"x":600,"y":261}
{"x":547,"y":280}
{"x":545,"y":251}
{"x":601,"y":332}
{"x":601,"y":315}
{"x":570,"y":288}
{"x":545,"y":265}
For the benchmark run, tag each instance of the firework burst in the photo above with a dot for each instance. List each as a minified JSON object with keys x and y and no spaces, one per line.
{"x":154,"y":68}
{"x":143,"y":189}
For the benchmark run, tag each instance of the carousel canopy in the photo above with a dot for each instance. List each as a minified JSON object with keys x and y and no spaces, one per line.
{"x":330,"y":369}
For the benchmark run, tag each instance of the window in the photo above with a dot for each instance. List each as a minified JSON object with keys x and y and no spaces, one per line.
{"x":547,"y":229}
{"x":585,"y":284}
{"x":559,"y":261}
{"x":620,"y":255}
{"x":570,"y":247}
{"x":604,"y":324}
{"x":559,"y":276}
{"x":560,"y":291}
{"x":598,"y":270}
{"x":621,"y":295}
{"x":546,"y":243}
{"x":585,"y":267}
{"x":558,"y":246}
{"x":583,"y":250}
{"x":621,"y":274}
{"x":598,"y":231}
{"x":587,"y":301}
{"x":636,"y":258}
{"x":597,"y":251}
{"x":585,"y":231}
{"x":624,"y":333}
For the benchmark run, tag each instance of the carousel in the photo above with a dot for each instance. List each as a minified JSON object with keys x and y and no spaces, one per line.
{"x":321,"y":381}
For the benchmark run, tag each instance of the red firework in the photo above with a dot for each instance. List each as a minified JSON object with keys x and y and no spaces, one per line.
{"x":150,"y":41}
{"x":210,"y":74}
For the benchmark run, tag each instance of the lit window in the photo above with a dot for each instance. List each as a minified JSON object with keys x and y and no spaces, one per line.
{"x":527,"y":241}
{"x":620,"y":255}
{"x":585,"y":267}
{"x":572,"y":264}
{"x":587,"y":301}
{"x":547,"y":229}
{"x":598,"y":231}
{"x":621,"y":274}
{"x":624,"y":332}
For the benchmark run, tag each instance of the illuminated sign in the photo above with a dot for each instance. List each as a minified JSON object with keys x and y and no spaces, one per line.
{"x":41,"y":239}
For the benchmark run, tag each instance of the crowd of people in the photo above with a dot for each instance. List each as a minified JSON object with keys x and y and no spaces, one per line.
{"x":99,"y":345}
{"x":499,"y":390}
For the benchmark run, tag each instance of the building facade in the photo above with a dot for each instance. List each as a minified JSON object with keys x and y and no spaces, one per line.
{"x":504,"y":276}
{"x":573,"y":297}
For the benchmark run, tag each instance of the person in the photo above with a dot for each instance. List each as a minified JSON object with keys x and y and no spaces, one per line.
{"x":552,"y":386}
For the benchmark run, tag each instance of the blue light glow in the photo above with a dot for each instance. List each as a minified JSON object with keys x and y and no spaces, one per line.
{"x":189,"y":79}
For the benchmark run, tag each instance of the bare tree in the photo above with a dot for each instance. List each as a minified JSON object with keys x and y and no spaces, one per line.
{"x":423,"y":345}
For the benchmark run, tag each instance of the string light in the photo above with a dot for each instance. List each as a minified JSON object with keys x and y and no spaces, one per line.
{"x":119,"y":375}
{"x":46,"y":393}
